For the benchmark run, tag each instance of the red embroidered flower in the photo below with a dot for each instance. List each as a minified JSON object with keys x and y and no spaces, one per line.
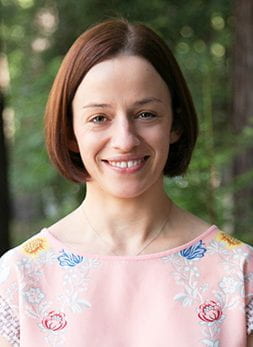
{"x":210,"y":311}
{"x":54,"y":321}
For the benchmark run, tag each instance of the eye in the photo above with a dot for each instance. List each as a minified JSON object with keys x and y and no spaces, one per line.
{"x":146,"y":115}
{"x":98,"y":119}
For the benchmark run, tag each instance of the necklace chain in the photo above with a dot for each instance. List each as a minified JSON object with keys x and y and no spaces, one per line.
{"x":108,"y":243}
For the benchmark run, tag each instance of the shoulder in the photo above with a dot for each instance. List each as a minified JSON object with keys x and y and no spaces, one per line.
{"x":232,"y":253}
{"x":232,"y":243}
{"x":13,"y":259}
{"x":29,"y":246}
{"x":22,"y":265}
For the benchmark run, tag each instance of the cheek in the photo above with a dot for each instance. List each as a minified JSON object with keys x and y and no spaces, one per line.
{"x":161,"y":146}
{"x":89,"y":146}
{"x":159,"y":140}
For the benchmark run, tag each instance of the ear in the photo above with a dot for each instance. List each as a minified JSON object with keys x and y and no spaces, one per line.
{"x":73,"y":146}
{"x":72,"y":143}
{"x":174,"y":136}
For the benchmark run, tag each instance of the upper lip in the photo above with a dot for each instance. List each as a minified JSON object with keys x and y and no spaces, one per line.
{"x":126,"y":158}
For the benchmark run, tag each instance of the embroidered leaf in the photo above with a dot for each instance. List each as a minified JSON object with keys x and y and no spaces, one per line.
{"x":205,"y":331}
{"x":80,"y":305}
{"x":211,"y":343}
{"x":203,"y":288}
{"x":187,"y":301}
{"x":184,"y":298}
{"x":180,"y":297}
{"x":189,"y":290}
{"x":233,"y":302}
{"x":207,"y":342}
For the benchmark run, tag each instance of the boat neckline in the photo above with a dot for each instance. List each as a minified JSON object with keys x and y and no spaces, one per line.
{"x":71,"y":248}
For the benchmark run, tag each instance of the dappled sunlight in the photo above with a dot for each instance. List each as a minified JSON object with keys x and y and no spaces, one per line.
{"x":40,"y":44}
{"x":46,"y":20}
{"x":25,"y":3}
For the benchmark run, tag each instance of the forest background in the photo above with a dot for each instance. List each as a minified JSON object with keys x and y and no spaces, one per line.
{"x":213,"y":43}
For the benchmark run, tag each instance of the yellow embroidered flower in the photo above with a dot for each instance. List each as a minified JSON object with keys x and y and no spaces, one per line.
{"x":35,"y":246}
{"x":229,"y":240}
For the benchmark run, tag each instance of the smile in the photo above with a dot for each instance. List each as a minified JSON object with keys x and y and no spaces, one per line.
{"x":127,"y":164}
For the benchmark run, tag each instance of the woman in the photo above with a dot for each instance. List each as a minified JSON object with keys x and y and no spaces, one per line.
{"x":128,"y":267}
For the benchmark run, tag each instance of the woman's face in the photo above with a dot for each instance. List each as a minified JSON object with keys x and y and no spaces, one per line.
{"x":122,"y":123}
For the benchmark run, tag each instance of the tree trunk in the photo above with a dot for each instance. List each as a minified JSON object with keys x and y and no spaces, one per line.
{"x":4,"y":196}
{"x":242,"y":113}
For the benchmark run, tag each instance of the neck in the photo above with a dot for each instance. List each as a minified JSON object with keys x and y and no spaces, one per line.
{"x":121,"y":220}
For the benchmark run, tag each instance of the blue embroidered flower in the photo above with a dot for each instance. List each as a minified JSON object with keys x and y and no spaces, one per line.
{"x":69,"y":259}
{"x":195,"y":251}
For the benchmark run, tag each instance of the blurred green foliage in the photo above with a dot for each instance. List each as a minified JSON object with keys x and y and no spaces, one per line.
{"x":37,"y":34}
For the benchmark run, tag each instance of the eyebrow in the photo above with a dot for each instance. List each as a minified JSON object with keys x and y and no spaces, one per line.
{"x":137,"y":103}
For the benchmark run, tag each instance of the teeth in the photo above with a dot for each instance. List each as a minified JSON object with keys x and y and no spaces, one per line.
{"x":125,"y":164}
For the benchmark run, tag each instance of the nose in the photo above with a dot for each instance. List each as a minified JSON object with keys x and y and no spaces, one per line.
{"x":124,"y":136}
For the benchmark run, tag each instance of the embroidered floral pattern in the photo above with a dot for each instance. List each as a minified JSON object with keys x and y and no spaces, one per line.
{"x":74,"y":285}
{"x":54,"y":321}
{"x":208,"y":283}
{"x":228,"y":240}
{"x":210,"y":311}
{"x":35,"y":246}
{"x":228,"y":284}
{"x":195,"y":251}
{"x":69,"y":259}
{"x":34,"y":295}
{"x":228,"y":291}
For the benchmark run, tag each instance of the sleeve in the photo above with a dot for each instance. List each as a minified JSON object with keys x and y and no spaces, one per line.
{"x":249,"y":292}
{"x":249,"y":317}
{"x":9,"y":320}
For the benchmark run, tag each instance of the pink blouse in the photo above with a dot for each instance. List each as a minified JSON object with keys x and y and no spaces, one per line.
{"x":198,"y":294}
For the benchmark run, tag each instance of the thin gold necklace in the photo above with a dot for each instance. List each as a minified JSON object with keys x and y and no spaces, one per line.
{"x":109,"y":244}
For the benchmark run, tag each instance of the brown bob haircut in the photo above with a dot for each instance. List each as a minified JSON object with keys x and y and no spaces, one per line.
{"x":101,"y":42}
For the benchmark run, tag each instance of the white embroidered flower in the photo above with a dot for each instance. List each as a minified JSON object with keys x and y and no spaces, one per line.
{"x":193,"y":270}
{"x":76,"y":278}
{"x":229,"y":284}
{"x":24,"y":264}
{"x":173,"y":259}
{"x":34,"y":295}
{"x":216,"y":247}
{"x":239,"y":254}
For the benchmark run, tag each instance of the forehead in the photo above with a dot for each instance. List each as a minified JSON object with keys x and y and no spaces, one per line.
{"x":123,"y":75}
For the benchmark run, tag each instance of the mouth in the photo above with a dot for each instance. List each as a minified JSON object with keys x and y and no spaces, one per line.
{"x":127,"y":165}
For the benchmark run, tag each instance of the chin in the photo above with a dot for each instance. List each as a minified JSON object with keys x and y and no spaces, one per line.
{"x":126,"y":195}
{"x":127,"y":192}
